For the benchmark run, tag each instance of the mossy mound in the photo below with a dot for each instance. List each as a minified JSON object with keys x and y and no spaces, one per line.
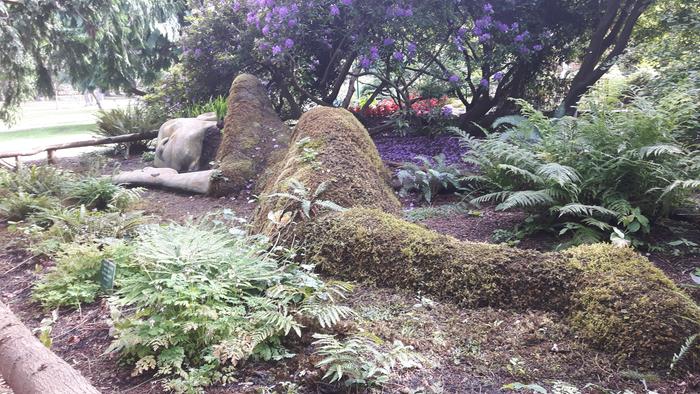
{"x":614,"y":299}
{"x":254,"y":137}
{"x":328,"y":146}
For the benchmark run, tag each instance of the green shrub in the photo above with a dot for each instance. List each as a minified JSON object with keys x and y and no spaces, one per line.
{"x":610,"y":173}
{"x":75,"y":278}
{"x":18,"y":206}
{"x":214,"y":104}
{"x":101,"y":193}
{"x":131,"y":119}
{"x":433,"y":177}
{"x":201,"y":301}
{"x":35,"y":180}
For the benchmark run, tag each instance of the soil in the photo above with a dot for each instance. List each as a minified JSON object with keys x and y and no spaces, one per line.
{"x":465,"y":350}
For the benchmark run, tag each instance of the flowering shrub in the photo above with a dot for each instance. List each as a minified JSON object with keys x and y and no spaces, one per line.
{"x":420,"y":107}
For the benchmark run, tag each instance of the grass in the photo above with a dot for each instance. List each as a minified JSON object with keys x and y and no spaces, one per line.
{"x":40,"y":133}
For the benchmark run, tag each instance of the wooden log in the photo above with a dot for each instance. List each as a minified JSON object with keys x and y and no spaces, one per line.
{"x":28,"y":367}
{"x":147,"y":135}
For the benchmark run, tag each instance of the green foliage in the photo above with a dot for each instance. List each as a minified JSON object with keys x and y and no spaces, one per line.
{"x":17,"y":206}
{"x":423,"y":213}
{"x":93,"y":43}
{"x":200,"y":301}
{"x":359,"y":360}
{"x":35,"y":180}
{"x":214,"y":104}
{"x":134,"y":118}
{"x":433,"y":177}
{"x":683,"y":351}
{"x":618,"y":167}
{"x":305,"y":202}
{"x":74,"y":280}
{"x":102,"y":194}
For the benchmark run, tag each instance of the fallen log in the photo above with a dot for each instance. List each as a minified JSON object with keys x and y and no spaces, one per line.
{"x":28,"y":367}
{"x":146,"y":135}
{"x":193,"y":182}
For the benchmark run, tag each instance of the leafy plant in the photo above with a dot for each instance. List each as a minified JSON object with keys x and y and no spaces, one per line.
{"x":200,"y":301}
{"x":74,"y":280}
{"x":214,"y":104}
{"x":617,"y":166}
{"x":35,"y":180}
{"x":359,"y":360}
{"x":20,"y":205}
{"x":304,"y":199}
{"x":683,"y":351}
{"x":433,"y":177}
{"x":101,"y":193}
{"x":134,"y":118}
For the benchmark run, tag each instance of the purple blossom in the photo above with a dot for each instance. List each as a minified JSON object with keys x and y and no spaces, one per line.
{"x":365,"y":63}
{"x":462,"y":31}
{"x":292,"y":22}
{"x":282,"y":12}
{"x":399,"y":56}
{"x":388,"y":42}
{"x":266,"y":30}
{"x":498,"y":76}
{"x":288,"y":43}
{"x":483,"y":22}
{"x":537,"y":47}
{"x":374,"y":53}
{"x":446,"y":111}
{"x":346,"y":2}
{"x":197,"y":52}
{"x":276,"y":50}
{"x":488,"y":8}
{"x":335,"y":10}
{"x":484,"y":37}
{"x":411,"y":47}
{"x":484,"y":82}
{"x":453,"y":79}
{"x":519,"y":37}
{"x":502,"y":27}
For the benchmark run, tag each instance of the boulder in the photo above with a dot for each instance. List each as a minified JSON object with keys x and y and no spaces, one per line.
{"x":186,"y":144}
{"x":208,"y":116}
{"x":254,"y":137}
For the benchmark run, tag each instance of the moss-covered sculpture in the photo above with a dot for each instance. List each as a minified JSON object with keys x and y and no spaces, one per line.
{"x":613,"y":298}
{"x":254,"y":137}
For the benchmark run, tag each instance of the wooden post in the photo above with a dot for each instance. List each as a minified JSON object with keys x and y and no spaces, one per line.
{"x":49,"y":156}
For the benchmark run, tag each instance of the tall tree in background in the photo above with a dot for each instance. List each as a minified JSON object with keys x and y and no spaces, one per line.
{"x":608,"y":41}
{"x":96,"y":43}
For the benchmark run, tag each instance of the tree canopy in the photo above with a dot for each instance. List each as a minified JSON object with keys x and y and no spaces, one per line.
{"x":94,"y":43}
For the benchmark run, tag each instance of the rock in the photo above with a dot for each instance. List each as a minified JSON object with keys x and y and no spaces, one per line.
{"x":195,"y":182}
{"x":254,"y":137}
{"x":186,"y":144}
{"x":208,"y":116}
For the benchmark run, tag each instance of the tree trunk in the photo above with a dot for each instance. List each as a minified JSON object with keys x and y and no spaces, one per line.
{"x":28,"y":367}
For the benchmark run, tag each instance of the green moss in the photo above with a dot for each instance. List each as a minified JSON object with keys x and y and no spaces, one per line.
{"x":345,"y":157}
{"x":254,"y":138}
{"x":615,"y":299}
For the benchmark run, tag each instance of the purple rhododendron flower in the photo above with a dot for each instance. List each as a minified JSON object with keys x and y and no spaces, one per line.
{"x":399,"y":56}
{"x":484,"y":37}
{"x":519,"y":37}
{"x":462,"y":31}
{"x":411,"y":47}
{"x":197,"y":52}
{"x":288,"y":43}
{"x":498,"y":76}
{"x":335,"y":10}
{"x":266,"y":30}
{"x":388,"y":41}
{"x":484,"y":82}
{"x":453,"y":79}
{"x":537,"y":47}
{"x":347,"y":2}
{"x":365,"y":63}
{"x":374,"y":53}
{"x":447,"y":111}
{"x":488,"y":8}
{"x":276,"y":50}
{"x":502,"y":27}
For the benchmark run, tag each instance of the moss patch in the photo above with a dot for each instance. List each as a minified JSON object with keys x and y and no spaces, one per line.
{"x":614,"y":298}
{"x":344,"y":156}
{"x":254,"y":137}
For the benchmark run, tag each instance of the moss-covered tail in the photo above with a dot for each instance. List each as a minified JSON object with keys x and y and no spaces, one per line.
{"x":329,"y":147}
{"x":614,"y":298}
{"x":254,"y":138}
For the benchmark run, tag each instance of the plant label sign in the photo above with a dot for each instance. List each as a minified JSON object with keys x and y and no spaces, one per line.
{"x":107,"y":272}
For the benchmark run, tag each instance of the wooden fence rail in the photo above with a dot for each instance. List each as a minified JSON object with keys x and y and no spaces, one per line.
{"x":146,"y":135}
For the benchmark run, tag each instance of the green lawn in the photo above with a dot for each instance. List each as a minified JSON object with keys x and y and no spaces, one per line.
{"x":38,"y":134}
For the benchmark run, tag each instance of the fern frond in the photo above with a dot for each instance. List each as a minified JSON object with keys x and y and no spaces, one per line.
{"x":558,"y":173}
{"x":576,"y":209}
{"x":658,"y":150}
{"x":526,"y":199}
{"x":529,"y":176}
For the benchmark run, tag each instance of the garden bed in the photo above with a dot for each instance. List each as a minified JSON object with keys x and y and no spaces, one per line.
{"x":467,"y":350}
